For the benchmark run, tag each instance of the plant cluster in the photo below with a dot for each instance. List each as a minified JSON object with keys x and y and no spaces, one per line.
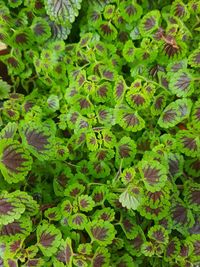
{"x":100,"y":133}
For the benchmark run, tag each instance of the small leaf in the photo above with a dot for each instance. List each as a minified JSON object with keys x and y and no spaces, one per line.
{"x":158,"y":104}
{"x":130,"y":11}
{"x":129,"y":51}
{"x":8,"y":131}
{"x":125,"y":151}
{"x":119,"y":89}
{"x":137,"y":100}
{"x":128,"y":175}
{"x":101,"y":231}
{"x":77,"y":221}
{"x":131,"y":198}
{"x":4,"y":89}
{"x":196,"y":114}
{"x":106,"y":214}
{"x":158,"y":234}
{"x":179,"y":9}
{"x":148,"y":249}
{"x":48,"y":239}
{"x":85,"y":203}
{"x":22,"y":39}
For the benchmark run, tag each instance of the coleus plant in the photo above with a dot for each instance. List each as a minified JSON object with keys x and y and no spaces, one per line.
{"x":100,"y":133}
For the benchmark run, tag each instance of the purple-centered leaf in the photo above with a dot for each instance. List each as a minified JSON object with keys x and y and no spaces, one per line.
{"x":48,"y":238}
{"x":65,"y":252}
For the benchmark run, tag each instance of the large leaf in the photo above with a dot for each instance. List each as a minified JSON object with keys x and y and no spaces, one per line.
{"x":63,"y":12}
{"x":101,"y":231}
{"x":188,"y":143}
{"x":38,"y":139}
{"x":64,"y":255}
{"x":15,"y":161}
{"x":11,"y":208}
{"x":182,"y":84}
{"x":153,"y":174}
{"x":48,"y":238}
{"x":175,"y":112}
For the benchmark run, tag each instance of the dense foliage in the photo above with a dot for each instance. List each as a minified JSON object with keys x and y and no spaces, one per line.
{"x":100,"y":133}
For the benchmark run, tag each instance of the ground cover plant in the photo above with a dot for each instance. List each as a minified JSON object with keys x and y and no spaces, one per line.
{"x":100,"y":133}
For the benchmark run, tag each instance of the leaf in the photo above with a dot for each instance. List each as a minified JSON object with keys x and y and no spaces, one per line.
{"x":85,"y":203}
{"x":148,"y":249}
{"x":128,"y":175}
{"x":192,"y":193}
{"x":38,"y":139}
{"x":194,"y":59}
{"x":64,"y":255}
{"x":77,"y":221}
{"x":137,"y":100}
{"x":158,"y":234}
{"x":19,"y":228}
{"x":179,"y":9}
{"x":22,"y":39}
{"x":14,"y":3}
{"x":134,"y":245}
{"x":149,"y":23}
{"x":172,"y":249}
{"x":53,"y":102}
{"x":129,"y":120}
{"x":130,"y":11}
{"x":4,"y":89}
{"x":188,"y":143}
{"x":8,"y":131}
{"x":48,"y":238}
{"x":153,"y":174}
{"x":32,"y":208}
{"x":175,"y":112}
{"x":107,"y":31}
{"x":131,"y":198}
{"x":106,"y":214}
{"x":195,"y":241}
{"x":181,"y":216}
{"x":63,"y":12}
{"x":196,"y":114}
{"x":103,"y":92}
{"x":36,"y":262}
{"x":125,"y":151}
{"x":182,"y":84}
{"x":192,"y":167}
{"x":158,"y":104}
{"x":66,"y":208}
{"x":175,"y":162}
{"x":129,"y":226}
{"x":74,"y":190}
{"x":109,"y":139}
{"x":119,"y":89}
{"x":101,"y":258}
{"x":101,"y":231}
{"x":129,"y":51}
{"x":99,"y":169}
{"x":15,"y":161}
{"x":40,"y":29}
{"x":53,"y":214}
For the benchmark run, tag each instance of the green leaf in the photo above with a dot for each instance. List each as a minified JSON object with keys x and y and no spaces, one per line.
{"x":129,"y":51}
{"x":85,"y":203}
{"x":64,"y":255}
{"x":9,"y":130}
{"x":127,"y":175}
{"x":106,"y":214}
{"x":4,"y":89}
{"x":11,"y":208}
{"x":131,"y":198}
{"x":15,"y":161}
{"x":129,"y":119}
{"x":77,"y":221}
{"x":182,"y":84}
{"x":137,"y":100}
{"x":101,"y":257}
{"x":175,"y":112}
{"x":130,"y":11}
{"x":196,"y":114}
{"x":63,"y":12}
{"x":194,"y":58}
{"x":119,"y":89}
{"x":40,"y":29}
{"x":101,"y":231}
{"x":48,"y":238}
{"x":38,"y":139}
{"x":107,"y":31}
{"x":188,"y":143}
{"x":180,"y":10}
{"x":158,"y":234}
{"x":125,"y":151}
{"x":153,"y":174}
{"x":149,"y":23}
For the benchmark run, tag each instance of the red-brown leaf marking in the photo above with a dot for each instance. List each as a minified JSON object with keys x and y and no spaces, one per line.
{"x":47,"y":239}
{"x":99,"y":233}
